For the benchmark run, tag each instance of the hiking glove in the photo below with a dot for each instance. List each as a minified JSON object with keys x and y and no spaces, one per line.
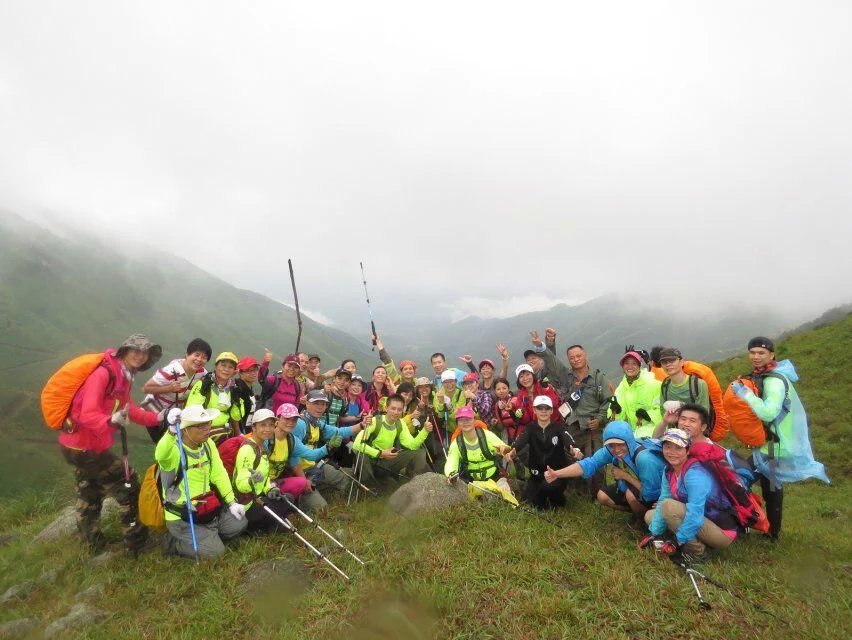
{"x":120,"y":419}
{"x":334,"y":442}
{"x":274,"y":493}
{"x":237,"y":510}
{"x":641,"y":414}
{"x":613,"y":404}
{"x":648,"y":541}
{"x":739,"y":389}
{"x":670,"y":547}
{"x":257,"y":476}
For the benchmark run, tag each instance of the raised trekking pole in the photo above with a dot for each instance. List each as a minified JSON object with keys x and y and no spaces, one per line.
{"x":296,"y":300}
{"x":186,"y":489}
{"x":369,"y":307}
{"x":514,"y":506}
{"x":317,"y":525}
{"x":292,"y":529}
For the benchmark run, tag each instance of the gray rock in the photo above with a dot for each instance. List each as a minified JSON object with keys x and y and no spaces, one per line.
{"x":426,"y":492}
{"x":65,"y":523}
{"x":343,"y":517}
{"x":7,"y":538}
{"x":81,"y":616}
{"x":48,"y":576}
{"x":17,"y":628}
{"x":91,"y":594}
{"x":18,"y":591}
{"x":102,"y":559}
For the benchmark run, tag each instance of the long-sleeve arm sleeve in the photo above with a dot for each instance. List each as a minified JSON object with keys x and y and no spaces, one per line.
{"x":451,"y":466}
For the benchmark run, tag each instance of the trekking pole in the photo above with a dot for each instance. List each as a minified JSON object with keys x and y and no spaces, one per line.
{"x":289,"y":526}
{"x":694,"y":573}
{"x":355,"y":480}
{"x":369,"y":308}
{"x":702,"y":604}
{"x":183,"y":463}
{"x":296,"y":300}
{"x":317,"y":525}
{"x":514,"y":506}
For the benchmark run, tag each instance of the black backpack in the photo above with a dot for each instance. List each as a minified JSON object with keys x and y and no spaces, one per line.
{"x":486,"y":452}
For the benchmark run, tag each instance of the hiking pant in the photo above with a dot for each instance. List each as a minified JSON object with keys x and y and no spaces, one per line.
{"x":674,"y":511}
{"x":414,"y":461}
{"x":210,"y":536}
{"x":588,"y":441}
{"x":99,"y":475}
{"x":774,"y":503}
{"x":329,"y":479}
{"x":261,"y":521}
{"x":436,"y":451}
{"x":545,"y":495}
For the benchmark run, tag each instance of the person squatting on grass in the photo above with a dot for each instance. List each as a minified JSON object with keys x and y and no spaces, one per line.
{"x":213,"y":524}
{"x":693,"y":511}
{"x":387,"y":447}
{"x":637,"y":471}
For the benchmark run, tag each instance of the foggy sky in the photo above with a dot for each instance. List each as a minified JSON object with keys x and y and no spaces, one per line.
{"x":487,"y":158}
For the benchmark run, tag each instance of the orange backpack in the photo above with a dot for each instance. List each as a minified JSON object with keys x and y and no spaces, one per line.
{"x":747,"y":427}
{"x":60,"y":389}
{"x":719,"y":424}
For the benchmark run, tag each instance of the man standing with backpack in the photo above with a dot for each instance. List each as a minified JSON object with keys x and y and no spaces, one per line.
{"x":786,"y":455}
{"x":101,"y":407}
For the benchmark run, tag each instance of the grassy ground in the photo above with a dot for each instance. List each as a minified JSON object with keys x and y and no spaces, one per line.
{"x":483,"y":571}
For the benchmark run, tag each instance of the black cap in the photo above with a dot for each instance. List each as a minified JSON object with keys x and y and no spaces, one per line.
{"x":670,"y":352}
{"x":343,"y":372}
{"x":529,"y":352}
{"x":762,"y":342}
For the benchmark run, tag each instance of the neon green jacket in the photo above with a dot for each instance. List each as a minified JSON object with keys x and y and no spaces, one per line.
{"x":644,"y":393}
{"x":458,"y":400}
{"x":205,"y":468}
{"x":477,"y":462}
{"x":229,"y":410}
{"x":386,"y":437}
{"x":244,"y":467}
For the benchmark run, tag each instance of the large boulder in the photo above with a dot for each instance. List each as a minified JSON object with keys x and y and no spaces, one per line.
{"x":65,"y":523}
{"x":426,"y":492}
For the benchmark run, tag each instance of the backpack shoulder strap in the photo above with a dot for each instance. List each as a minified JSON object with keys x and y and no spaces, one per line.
{"x":483,"y":444}
{"x":693,"y":387}
{"x":664,"y":388}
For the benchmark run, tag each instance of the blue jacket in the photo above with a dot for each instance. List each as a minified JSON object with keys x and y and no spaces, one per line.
{"x":703,"y":497}
{"x":645,"y":463}
{"x":307,"y":452}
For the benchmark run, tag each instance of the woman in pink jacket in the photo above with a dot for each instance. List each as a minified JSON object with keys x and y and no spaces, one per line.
{"x":101,"y":408}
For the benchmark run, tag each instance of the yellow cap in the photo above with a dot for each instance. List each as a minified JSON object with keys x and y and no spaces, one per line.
{"x":227,"y":355}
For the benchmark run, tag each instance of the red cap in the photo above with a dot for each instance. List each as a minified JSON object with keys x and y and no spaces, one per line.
{"x":293,"y":359}
{"x":470,"y":377}
{"x":246,"y":363}
{"x":490,"y":363}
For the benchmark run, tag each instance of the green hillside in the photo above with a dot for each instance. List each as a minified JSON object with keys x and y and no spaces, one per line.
{"x":482,"y":571}
{"x":62,"y":296}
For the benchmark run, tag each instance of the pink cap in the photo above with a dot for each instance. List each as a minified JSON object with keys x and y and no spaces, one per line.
{"x":464,"y":412}
{"x":490,"y":363}
{"x":293,"y":359}
{"x":287,"y":410}
{"x":630,"y":354}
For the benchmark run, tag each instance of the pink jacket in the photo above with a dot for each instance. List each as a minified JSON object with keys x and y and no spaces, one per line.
{"x":92,"y":409}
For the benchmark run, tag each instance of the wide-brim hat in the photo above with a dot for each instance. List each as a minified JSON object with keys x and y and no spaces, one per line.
{"x":143,"y":343}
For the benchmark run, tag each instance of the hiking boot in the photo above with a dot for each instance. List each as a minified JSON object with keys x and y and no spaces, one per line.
{"x":694,"y":551}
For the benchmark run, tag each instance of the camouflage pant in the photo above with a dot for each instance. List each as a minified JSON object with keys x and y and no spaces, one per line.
{"x":99,"y":475}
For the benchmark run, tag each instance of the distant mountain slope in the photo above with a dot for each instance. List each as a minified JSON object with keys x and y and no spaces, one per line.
{"x":61,"y":296}
{"x":603,"y":326}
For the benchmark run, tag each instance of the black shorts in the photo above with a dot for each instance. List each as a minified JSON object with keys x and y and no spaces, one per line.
{"x":620,"y":499}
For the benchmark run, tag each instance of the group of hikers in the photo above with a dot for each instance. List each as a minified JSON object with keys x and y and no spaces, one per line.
{"x":243,"y":445}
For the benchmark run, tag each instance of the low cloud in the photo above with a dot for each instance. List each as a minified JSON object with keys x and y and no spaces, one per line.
{"x":500,"y":307}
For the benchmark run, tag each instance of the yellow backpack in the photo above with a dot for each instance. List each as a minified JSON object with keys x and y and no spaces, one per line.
{"x":151,"y":512}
